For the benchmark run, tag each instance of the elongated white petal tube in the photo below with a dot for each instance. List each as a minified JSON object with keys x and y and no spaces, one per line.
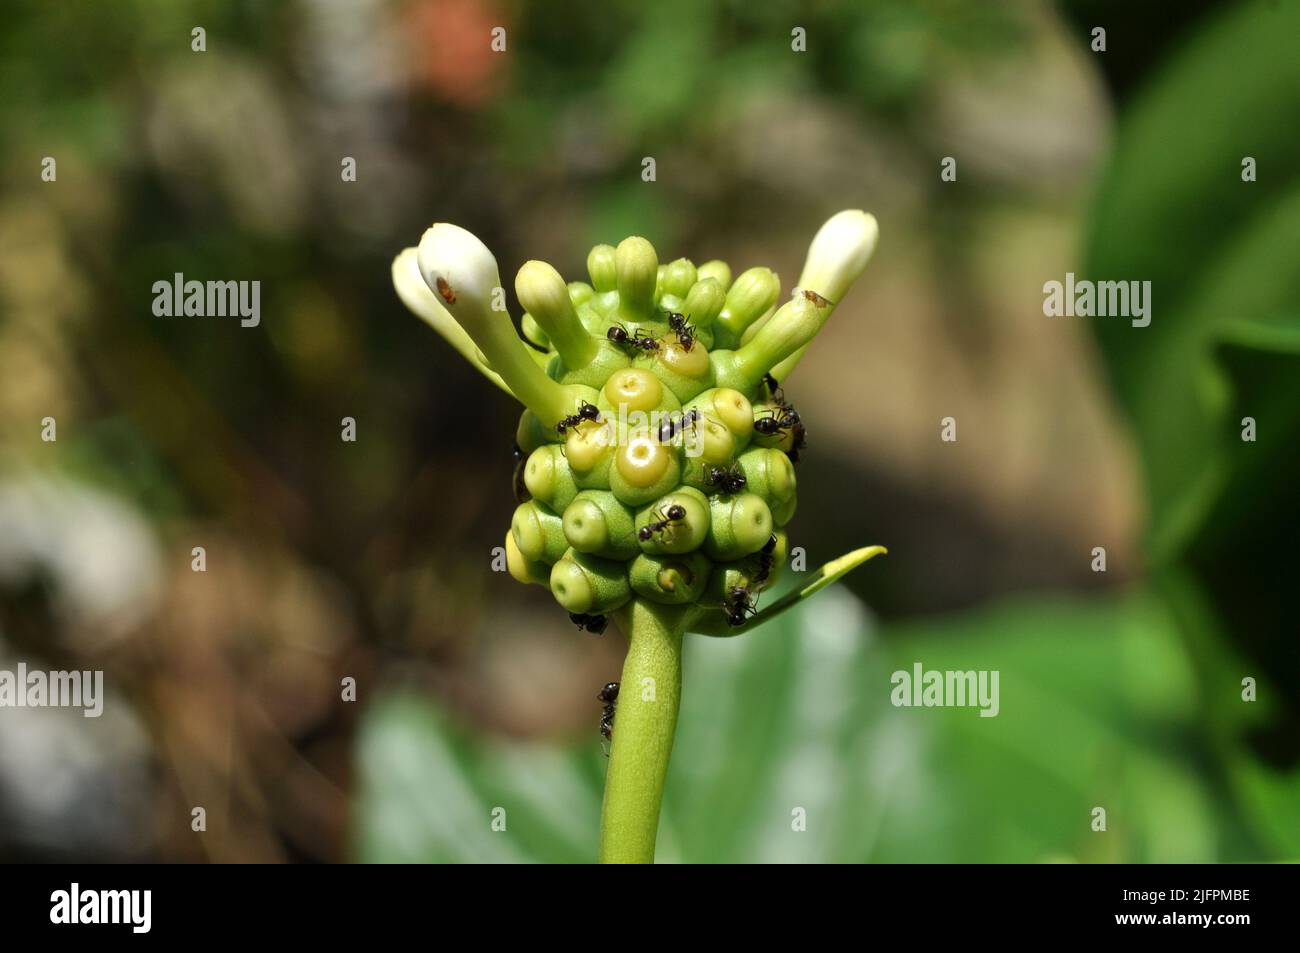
{"x":837,"y":256}
{"x":417,"y":296}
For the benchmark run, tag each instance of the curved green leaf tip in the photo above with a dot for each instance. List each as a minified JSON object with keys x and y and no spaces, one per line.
{"x":831,"y":572}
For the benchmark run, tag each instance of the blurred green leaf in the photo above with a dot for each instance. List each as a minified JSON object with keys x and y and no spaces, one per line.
{"x":1172,"y":208}
{"x":798,"y":715}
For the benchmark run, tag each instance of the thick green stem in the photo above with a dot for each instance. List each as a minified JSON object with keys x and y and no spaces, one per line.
{"x":644,"y":725}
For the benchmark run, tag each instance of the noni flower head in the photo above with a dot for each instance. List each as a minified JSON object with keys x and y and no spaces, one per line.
{"x":655,"y":453}
{"x":657,"y":445}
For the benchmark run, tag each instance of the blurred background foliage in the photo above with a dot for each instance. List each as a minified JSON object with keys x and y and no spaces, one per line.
{"x":371,"y":559}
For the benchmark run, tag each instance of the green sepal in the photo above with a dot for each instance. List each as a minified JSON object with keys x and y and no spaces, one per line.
{"x":538,"y":532}
{"x":748,"y":299}
{"x":582,"y":582}
{"x":703,"y":304}
{"x":707,"y":620}
{"x":670,"y":579}
{"x":739,"y":525}
{"x":532,"y":331}
{"x":716,"y":269}
{"x":678,"y":537}
{"x":602,"y":268}
{"x":548,"y":477}
{"x":597,"y":523}
{"x":523,"y":569}
{"x":678,"y":277}
{"x":770,"y":474}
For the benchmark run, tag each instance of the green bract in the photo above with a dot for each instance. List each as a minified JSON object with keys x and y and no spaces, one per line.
{"x":660,"y":447}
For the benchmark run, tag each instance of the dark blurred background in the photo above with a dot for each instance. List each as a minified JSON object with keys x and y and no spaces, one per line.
{"x":328,"y":559}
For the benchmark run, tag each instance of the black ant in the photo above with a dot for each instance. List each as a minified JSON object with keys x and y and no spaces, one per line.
{"x":730,"y":479}
{"x":585,"y":412}
{"x":674,"y":514}
{"x":673,"y":425}
{"x":595,"y":624}
{"x":521,"y":488}
{"x":640,"y":341}
{"x":685,"y":332}
{"x":764,"y":562}
{"x":738,"y":606}
{"x":770,"y":424}
{"x":608,"y":695}
{"x":789,"y":419}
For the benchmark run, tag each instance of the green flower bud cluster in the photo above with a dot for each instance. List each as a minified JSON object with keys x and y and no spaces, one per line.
{"x":656,"y":449}
{"x":664,"y":490}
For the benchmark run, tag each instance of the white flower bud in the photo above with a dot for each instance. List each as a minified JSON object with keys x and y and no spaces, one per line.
{"x":460,"y":270}
{"x":839,"y":252}
{"x":417,"y":296}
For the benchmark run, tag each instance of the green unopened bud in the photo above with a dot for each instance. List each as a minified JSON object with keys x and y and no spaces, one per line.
{"x":543,"y":292}
{"x":596,"y":522}
{"x":532,"y":331}
{"x":794,"y":325}
{"x":602,"y":268}
{"x":667,"y":535}
{"x":582,"y":582}
{"x":638,"y":269}
{"x":670,"y":579}
{"x":523,"y":569}
{"x":783,"y":512}
{"x":580,"y":293}
{"x":769,"y":473}
{"x":538,"y":532}
{"x":548,"y":477}
{"x":740,"y":525}
{"x":704,"y":302}
{"x":754,"y":292}
{"x":678,"y":277}
{"x":718,"y":270}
